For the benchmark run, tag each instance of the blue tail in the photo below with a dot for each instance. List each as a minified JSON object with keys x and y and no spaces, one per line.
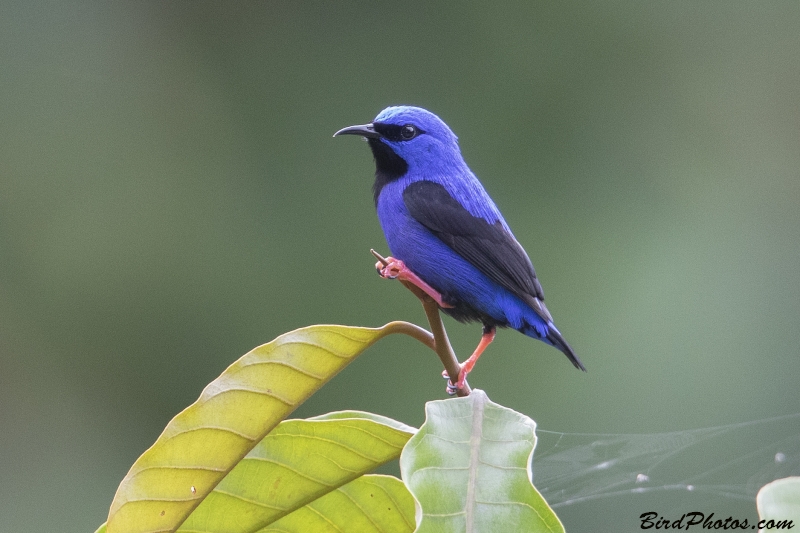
{"x":554,"y":338}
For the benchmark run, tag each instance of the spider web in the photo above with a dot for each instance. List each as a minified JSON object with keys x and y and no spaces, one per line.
{"x":719,"y":467}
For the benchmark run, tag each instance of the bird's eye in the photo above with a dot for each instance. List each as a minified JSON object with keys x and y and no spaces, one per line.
{"x":408,"y":132}
{"x":397,"y":133}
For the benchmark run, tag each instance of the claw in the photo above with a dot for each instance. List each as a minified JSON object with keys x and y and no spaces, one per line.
{"x":391,"y":268}
{"x":383,"y":271}
{"x":453,"y":388}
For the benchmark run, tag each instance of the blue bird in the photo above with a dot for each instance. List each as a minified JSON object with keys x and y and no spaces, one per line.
{"x":447,"y":235}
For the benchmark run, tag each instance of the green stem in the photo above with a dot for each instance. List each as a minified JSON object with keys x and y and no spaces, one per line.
{"x":437,"y":341}
{"x":442,"y":344}
{"x":412,"y":330}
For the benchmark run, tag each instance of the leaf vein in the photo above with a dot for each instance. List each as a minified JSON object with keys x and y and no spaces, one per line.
{"x":393,"y":500}
{"x":451,"y":441}
{"x":341,"y":444}
{"x":249,"y":500}
{"x":490,"y":465}
{"x":214,"y":428}
{"x":287,"y":365}
{"x":424,"y":468}
{"x":322,"y":515}
{"x":261,"y":392}
{"x":326,"y":349}
{"x":355,"y":503}
{"x":183,"y":467}
{"x":290,"y":469}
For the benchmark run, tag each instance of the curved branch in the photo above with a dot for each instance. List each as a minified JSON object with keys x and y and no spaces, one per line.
{"x":437,"y":341}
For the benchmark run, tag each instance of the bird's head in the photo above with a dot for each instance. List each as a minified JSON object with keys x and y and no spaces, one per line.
{"x":407,"y":139}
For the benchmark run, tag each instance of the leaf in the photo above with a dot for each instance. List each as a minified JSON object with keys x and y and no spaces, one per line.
{"x":234,"y":412}
{"x":385,"y":420}
{"x":780,"y":500}
{"x":371,"y":503}
{"x":299,"y":462}
{"x":469,"y":468}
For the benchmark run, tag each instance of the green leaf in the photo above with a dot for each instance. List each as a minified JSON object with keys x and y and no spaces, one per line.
{"x":299,"y":462}
{"x":234,"y":412}
{"x":780,"y":500}
{"x":468,"y":467}
{"x":369,"y":504}
{"x":385,"y":420}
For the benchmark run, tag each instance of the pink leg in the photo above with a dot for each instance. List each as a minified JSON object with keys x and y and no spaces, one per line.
{"x":396,"y":269}
{"x":469,"y":364}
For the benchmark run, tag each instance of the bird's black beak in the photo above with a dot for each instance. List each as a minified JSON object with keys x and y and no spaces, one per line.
{"x":365,"y":130}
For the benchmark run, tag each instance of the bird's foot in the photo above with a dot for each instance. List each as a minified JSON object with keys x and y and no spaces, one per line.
{"x":390,"y":270}
{"x":453,"y":388}
{"x":467,"y":366}
{"x":397,"y":269}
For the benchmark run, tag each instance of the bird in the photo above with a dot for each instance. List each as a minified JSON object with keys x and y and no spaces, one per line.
{"x":447,"y":236}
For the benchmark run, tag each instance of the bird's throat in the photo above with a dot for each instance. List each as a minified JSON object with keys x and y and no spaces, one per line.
{"x":388,"y":166}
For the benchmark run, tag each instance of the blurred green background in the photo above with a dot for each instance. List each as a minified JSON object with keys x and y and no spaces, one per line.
{"x":171,"y":196}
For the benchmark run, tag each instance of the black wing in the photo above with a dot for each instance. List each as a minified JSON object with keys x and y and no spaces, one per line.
{"x":490,"y":247}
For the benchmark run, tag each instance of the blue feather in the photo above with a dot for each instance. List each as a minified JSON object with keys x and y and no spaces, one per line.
{"x":439,"y":220}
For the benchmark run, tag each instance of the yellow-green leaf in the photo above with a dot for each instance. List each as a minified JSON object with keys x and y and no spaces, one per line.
{"x":234,"y":412}
{"x":379,"y":504}
{"x":468,"y":466}
{"x":299,"y":462}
